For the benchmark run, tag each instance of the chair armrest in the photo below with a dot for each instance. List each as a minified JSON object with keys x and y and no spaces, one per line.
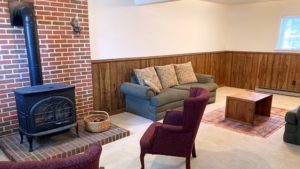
{"x":158,"y":129}
{"x":89,"y":159}
{"x":203,"y":78}
{"x":171,"y":128}
{"x":136,"y":90}
{"x":173,"y":117}
{"x":6,"y":164}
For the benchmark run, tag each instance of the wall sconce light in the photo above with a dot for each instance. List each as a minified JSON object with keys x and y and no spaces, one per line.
{"x":76,"y":25}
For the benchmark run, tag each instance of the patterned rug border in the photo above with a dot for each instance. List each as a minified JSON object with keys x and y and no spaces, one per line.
{"x":264,"y":126}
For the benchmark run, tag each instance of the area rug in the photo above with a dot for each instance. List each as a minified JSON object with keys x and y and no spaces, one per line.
{"x":60,"y":145}
{"x":263,"y":126}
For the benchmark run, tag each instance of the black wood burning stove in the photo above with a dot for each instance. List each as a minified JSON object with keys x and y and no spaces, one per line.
{"x":45,"y":109}
{"x":42,"y":109}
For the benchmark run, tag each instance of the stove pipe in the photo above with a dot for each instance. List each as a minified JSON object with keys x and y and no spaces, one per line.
{"x":22,"y":14}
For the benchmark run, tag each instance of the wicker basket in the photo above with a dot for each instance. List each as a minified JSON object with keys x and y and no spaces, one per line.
{"x":97,"y":121}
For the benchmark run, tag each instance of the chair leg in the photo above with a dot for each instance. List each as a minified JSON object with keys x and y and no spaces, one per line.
{"x":142,"y":160}
{"x":194,"y":151}
{"x":187,"y":163}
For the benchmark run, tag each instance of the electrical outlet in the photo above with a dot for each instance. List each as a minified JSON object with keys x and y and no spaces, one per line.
{"x":294,"y":82}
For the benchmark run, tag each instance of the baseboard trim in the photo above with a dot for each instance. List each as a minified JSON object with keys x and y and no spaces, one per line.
{"x":275,"y":91}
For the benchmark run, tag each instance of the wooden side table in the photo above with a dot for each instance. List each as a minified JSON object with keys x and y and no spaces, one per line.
{"x":244,"y":106}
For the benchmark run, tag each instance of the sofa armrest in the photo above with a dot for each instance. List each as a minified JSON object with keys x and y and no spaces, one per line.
{"x":143,"y":92}
{"x":203,"y":78}
{"x":298,"y":115}
{"x":291,"y":117}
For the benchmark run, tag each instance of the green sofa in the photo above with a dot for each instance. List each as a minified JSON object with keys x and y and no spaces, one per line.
{"x":292,"y":127}
{"x":143,"y":101}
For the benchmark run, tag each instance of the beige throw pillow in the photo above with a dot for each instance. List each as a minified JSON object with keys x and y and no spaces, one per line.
{"x":166,"y":75}
{"x":148,"y":74}
{"x":185,"y":73}
{"x":152,"y":86}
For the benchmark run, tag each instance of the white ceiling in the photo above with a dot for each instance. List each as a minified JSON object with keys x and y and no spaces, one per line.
{"x":232,"y":2}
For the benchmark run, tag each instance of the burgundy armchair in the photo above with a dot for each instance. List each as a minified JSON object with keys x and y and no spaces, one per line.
{"x":87,"y":160}
{"x":176,"y":135}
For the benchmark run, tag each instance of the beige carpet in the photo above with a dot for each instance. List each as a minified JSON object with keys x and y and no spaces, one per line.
{"x":217,"y":148}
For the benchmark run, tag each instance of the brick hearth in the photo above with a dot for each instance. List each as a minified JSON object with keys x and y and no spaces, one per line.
{"x":60,"y":145}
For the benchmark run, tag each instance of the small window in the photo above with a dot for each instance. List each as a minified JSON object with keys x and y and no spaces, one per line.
{"x":289,"y":37}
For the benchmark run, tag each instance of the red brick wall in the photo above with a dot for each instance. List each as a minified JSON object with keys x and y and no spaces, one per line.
{"x":65,"y":55}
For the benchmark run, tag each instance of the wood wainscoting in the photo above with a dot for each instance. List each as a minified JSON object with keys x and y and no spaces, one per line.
{"x":235,"y":69}
{"x":270,"y":70}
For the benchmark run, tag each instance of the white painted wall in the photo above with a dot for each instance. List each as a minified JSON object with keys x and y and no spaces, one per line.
{"x":119,"y":29}
{"x":255,"y":27}
{"x":142,"y":2}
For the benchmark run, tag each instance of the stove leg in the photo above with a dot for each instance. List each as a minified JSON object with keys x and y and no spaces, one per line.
{"x":30,"y":139}
{"x":21,"y":135}
{"x":77,"y":132}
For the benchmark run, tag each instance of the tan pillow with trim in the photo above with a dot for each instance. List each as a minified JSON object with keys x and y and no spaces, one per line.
{"x":167,"y":76}
{"x":148,"y":74}
{"x":185,"y":73}
{"x":152,"y":86}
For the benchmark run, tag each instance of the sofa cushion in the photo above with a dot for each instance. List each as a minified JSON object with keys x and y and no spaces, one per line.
{"x":167,"y":76}
{"x":168,"y":95}
{"x":209,"y":86}
{"x":152,"y":86}
{"x":185,"y":73}
{"x":149,"y":74}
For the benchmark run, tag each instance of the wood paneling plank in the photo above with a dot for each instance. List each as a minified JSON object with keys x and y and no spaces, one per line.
{"x":297,"y":75}
{"x":102,"y":86}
